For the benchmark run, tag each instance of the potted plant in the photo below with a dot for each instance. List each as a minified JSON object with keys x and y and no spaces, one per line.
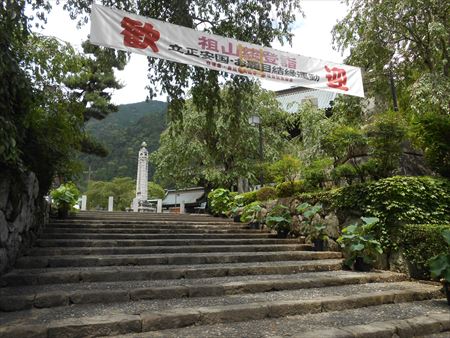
{"x":279,"y":219}
{"x":64,"y":198}
{"x":440,"y":266}
{"x":315,"y":230}
{"x":221,"y":201}
{"x":252,"y":214}
{"x":359,"y":244}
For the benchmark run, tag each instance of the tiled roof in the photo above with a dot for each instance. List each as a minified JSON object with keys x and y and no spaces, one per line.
{"x":292,"y":97}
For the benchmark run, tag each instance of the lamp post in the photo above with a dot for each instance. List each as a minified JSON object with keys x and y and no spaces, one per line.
{"x":392,"y":85}
{"x":255,"y":120}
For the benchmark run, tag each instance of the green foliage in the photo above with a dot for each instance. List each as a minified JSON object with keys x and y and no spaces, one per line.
{"x":345,"y":171}
{"x":215,"y":149}
{"x":317,"y":173}
{"x":245,"y":198}
{"x":314,"y":230}
{"x":288,"y":189}
{"x":155,"y":191}
{"x":252,"y":213}
{"x":432,"y":132}
{"x":221,"y":201}
{"x":415,"y":32}
{"x":65,"y":196}
{"x":121,"y":188}
{"x":279,"y":218}
{"x":421,"y":242}
{"x":386,"y":135}
{"x":122,"y":133}
{"x":440,"y":264}
{"x":344,"y":143}
{"x":359,"y":241}
{"x":286,"y":169}
{"x":266,"y":193}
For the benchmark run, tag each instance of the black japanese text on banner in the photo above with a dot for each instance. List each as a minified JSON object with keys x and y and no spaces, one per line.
{"x":133,"y":33}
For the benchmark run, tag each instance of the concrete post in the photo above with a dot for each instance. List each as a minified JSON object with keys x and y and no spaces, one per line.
{"x":182,"y":209}
{"x":110,"y":203}
{"x":83,"y":202}
{"x":159,"y":206}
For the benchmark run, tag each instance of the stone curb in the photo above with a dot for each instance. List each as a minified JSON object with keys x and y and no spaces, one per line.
{"x":168,"y":249}
{"x":53,"y":299}
{"x":178,"y":318}
{"x":114,"y":275}
{"x":406,"y":328}
{"x":170,"y":259}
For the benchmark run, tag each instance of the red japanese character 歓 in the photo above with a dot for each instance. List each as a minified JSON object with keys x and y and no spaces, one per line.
{"x":337,"y":78}
{"x":139,"y":35}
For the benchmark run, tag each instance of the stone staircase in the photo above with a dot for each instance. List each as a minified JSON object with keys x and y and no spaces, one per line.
{"x":165,"y":275}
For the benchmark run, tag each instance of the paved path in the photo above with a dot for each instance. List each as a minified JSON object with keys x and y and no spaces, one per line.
{"x":149,"y":275}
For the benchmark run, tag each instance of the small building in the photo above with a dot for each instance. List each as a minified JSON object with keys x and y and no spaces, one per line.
{"x":192,"y":197}
{"x":291,"y":98}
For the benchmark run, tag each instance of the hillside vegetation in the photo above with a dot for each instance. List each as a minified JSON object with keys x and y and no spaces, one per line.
{"x":122,"y":134}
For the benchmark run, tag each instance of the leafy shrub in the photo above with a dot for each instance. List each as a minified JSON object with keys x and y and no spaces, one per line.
{"x":248,"y":197}
{"x":359,"y":241}
{"x":288,"y":189}
{"x":221,"y":201}
{"x":440,"y":264}
{"x":285,"y":170}
{"x":65,"y":197}
{"x":313,"y":230}
{"x":344,"y":171}
{"x":421,"y":242}
{"x":266,"y":193}
{"x":252,"y":213}
{"x":279,"y":218}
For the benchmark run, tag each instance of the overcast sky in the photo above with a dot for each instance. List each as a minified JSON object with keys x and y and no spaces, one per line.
{"x":312,"y":37}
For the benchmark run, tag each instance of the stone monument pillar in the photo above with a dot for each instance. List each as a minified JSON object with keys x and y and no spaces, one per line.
{"x":142,"y":177}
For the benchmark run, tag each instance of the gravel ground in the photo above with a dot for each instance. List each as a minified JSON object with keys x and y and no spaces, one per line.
{"x":177,"y":282}
{"x":43,"y":316}
{"x":294,"y":326}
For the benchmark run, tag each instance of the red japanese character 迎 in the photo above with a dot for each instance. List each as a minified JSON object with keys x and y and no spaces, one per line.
{"x":337,"y":78}
{"x":139,"y":35}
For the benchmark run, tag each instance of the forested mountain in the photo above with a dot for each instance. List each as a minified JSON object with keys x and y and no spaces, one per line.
{"x":122,"y":134}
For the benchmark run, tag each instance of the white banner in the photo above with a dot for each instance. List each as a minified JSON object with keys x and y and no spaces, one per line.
{"x":133,"y":33}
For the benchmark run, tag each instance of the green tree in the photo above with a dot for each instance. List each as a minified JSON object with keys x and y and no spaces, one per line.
{"x":286,"y":169}
{"x":121,"y":188}
{"x":216,"y":152}
{"x":155,"y":191}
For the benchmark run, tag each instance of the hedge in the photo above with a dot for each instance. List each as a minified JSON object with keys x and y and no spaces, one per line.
{"x":419,"y":243}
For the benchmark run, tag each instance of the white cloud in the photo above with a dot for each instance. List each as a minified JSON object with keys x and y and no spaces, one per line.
{"x":312,"y":37}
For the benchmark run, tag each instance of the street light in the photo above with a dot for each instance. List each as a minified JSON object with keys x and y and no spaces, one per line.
{"x":254,"y":121}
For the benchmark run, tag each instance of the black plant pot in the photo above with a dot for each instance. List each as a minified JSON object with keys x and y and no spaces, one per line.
{"x":63,"y":211}
{"x":282,"y":233}
{"x":447,"y":291}
{"x":319,"y":245}
{"x":254,"y":225}
{"x":360,"y":265}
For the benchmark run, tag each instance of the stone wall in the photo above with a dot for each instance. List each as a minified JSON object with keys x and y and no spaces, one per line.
{"x":22,"y":215}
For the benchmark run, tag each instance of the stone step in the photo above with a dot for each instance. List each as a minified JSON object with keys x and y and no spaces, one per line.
{"x":149,"y":225}
{"x":158,"y":242}
{"x":144,"y":316}
{"x":170,"y":259}
{"x":166,"y":230}
{"x":20,"y":277}
{"x":167,"y":249}
{"x":21,"y":298}
{"x":187,"y":220}
{"x":403,"y":320}
{"x":82,"y":235}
